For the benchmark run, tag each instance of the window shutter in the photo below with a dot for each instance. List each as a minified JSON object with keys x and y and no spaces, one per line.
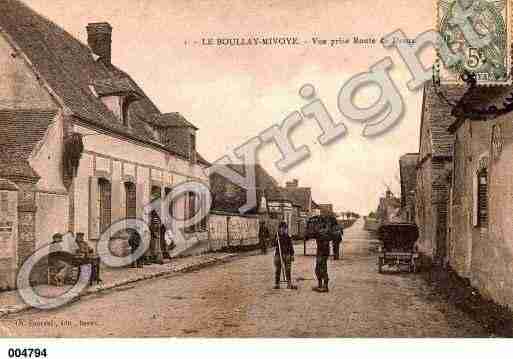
{"x":94,"y":206}
{"x":475,"y":201}
{"x":105,"y":198}
{"x":131,"y":200}
{"x":483,"y":199}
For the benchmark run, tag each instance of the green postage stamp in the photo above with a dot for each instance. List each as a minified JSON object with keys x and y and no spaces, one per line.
{"x":475,"y":38}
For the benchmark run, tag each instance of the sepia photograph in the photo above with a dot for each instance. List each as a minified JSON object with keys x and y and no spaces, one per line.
{"x":336,"y":169}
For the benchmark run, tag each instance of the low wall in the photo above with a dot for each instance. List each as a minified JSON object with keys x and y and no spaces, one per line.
{"x":232,"y":230}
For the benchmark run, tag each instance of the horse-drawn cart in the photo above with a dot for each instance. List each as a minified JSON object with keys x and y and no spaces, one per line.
{"x":398,"y":248}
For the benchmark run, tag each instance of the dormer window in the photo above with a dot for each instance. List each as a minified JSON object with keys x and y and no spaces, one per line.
{"x":116,"y":95}
{"x":177,"y":133}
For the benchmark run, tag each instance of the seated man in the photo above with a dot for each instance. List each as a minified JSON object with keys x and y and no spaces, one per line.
{"x":85,"y":251}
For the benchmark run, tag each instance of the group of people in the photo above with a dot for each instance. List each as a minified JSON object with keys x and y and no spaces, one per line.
{"x":134,"y":241}
{"x":284,"y":254}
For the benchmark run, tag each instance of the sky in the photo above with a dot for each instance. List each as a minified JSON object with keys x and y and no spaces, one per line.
{"x":234,"y":93}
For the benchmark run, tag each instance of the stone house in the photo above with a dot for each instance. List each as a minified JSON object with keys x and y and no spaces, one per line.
{"x":227,"y":226}
{"x":81,"y":144}
{"x":327,"y":209}
{"x":283,"y":208}
{"x":389,"y":208}
{"x":480,"y":236}
{"x":435,"y":161}
{"x":408,"y":174}
{"x":228,"y":197}
{"x":301,"y":197}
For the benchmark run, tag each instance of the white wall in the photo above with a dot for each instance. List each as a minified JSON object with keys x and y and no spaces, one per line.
{"x":19,"y":87}
{"x":51,"y":217}
{"x":117,"y":159}
{"x":47,"y":158}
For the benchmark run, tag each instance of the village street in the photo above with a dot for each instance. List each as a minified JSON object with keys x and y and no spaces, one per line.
{"x":236,"y":299}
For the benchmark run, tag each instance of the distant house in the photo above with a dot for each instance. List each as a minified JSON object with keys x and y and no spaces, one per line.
{"x":229,"y":197}
{"x":301,"y":197}
{"x":408,"y":174}
{"x":435,"y":161}
{"x":388,"y":208}
{"x":81,"y":144}
{"x":316,"y":209}
{"x":283,"y":208}
{"x":480,"y":243}
{"x":327,"y":209}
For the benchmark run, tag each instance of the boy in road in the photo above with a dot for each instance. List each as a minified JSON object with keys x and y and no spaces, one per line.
{"x":284,"y":254}
{"x":323,"y":253}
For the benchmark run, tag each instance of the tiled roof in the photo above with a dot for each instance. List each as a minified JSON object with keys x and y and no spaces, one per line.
{"x":69,"y":68}
{"x":173,"y":119}
{"x":301,"y":196}
{"x":17,"y":142}
{"x":277,"y":194}
{"x":437,"y":114}
{"x":231,"y":202}
{"x":477,"y":100}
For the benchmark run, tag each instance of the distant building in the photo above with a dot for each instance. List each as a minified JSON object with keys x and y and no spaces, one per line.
{"x":435,"y":160}
{"x":327,"y":209}
{"x":301,"y":197}
{"x":316,"y":209}
{"x":408,"y":172}
{"x":480,"y":244}
{"x":388,"y":208}
{"x":228,"y":197}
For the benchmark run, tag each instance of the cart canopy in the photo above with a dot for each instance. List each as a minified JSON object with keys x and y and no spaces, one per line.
{"x":398,"y":237}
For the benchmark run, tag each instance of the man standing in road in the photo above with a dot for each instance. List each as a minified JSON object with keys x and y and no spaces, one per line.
{"x":263,"y":237}
{"x":283,"y":256}
{"x":323,"y":253}
{"x":337,"y":239}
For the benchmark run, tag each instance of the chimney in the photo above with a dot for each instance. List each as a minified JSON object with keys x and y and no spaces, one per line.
{"x":99,"y":39}
{"x":292,"y":184}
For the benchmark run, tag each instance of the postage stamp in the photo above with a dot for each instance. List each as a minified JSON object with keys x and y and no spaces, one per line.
{"x":476,"y":39}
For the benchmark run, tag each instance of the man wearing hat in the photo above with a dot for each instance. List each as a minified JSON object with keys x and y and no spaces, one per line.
{"x":283,"y":256}
{"x":323,"y":252}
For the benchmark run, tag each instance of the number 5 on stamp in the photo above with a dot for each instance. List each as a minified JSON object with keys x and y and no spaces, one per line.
{"x":478,"y":35}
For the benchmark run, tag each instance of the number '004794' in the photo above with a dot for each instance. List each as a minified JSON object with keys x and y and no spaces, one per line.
{"x":26,"y":353}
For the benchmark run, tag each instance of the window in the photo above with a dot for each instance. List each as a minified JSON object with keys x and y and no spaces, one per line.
{"x":192,"y":148}
{"x":104,"y":203}
{"x":130,"y":200}
{"x":155,"y":222}
{"x":171,"y":210}
{"x":124,"y":111}
{"x":482,"y":198}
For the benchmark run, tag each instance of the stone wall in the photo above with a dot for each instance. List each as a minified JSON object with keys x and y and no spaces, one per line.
{"x":8,"y":234}
{"x":230,"y":230}
{"x":424,"y":209}
{"x":492,"y":254}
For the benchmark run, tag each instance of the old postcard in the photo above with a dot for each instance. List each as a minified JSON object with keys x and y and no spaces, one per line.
{"x":255,"y":169}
